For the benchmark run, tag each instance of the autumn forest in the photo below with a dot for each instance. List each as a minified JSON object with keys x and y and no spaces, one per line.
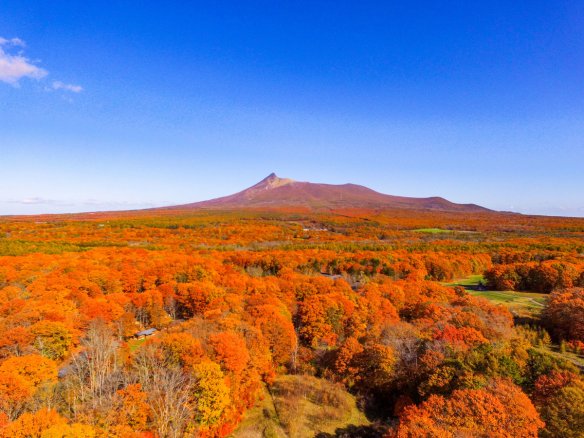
{"x":291,"y":322}
{"x":416,"y":270}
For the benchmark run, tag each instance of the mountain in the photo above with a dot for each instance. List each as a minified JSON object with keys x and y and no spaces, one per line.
{"x":273,"y":192}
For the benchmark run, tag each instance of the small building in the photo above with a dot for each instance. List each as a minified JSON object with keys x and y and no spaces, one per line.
{"x":331,"y":276}
{"x":145,"y":333}
{"x":64,"y":372}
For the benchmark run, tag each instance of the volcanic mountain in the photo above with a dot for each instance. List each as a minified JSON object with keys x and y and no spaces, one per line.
{"x":276,"y":192}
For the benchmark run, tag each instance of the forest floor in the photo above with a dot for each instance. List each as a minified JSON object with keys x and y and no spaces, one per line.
{"x":301,"y":406}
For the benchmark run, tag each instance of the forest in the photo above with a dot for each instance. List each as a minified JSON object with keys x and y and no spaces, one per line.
{"x":291,"y":322}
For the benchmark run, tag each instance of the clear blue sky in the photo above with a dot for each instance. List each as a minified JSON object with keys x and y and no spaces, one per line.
{"x":126,"y":104}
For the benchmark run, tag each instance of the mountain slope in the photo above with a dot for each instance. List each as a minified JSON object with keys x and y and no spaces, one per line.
{"x":274,"y":191}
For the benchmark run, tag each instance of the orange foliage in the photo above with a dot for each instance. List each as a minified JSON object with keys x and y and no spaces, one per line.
{"x":33,"y":368}
{"x":501,"y":410}
{"x":134,"y":410}
{"x":564,"y":314}
{"x":238,"y":298}
{"x":33,"y":424}
{"x":230,"y":351}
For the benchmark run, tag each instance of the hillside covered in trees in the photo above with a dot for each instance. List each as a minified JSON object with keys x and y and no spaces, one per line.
{"x":290,"y":322}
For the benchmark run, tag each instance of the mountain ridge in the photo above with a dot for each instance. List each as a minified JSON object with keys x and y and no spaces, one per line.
{"x":276,"y":192}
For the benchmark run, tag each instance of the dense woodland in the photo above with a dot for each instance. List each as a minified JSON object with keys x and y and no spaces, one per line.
{"x":336,"y":308}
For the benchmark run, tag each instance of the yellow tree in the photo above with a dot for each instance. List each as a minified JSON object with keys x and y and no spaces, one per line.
{"x":211,"y":392}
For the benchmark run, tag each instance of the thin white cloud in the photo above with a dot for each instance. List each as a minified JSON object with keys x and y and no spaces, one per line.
{"x":58,"y":85}
{"x":38,"y":200}
{"x":14,"y":67}
{"x":12,"y":42}
{"x":34,"y":201}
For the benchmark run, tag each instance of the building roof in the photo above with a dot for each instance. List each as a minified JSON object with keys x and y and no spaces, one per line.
{"x":64,"y":372}
{"x":146,"y":332}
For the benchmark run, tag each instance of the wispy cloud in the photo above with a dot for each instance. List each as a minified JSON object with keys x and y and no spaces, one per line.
{"x":14,"y":67}
{"x":12,"y":42}
{"x":548,"y":209}
{"x":38,"y":200}
{"x":33,"y":201}
{"x":58,"y":85}
{"x":41,"y":205}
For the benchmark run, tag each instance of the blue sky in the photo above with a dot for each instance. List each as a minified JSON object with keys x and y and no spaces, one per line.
{"x":116,"y":105}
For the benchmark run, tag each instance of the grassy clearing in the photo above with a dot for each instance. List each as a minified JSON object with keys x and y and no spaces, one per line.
{"x":522,"y":304}
{"x":527,"y":304}
{"x":134,"y":344}
{"x":261,"y":421}
{"x":301,"y":406}
{"x":471,"y":280}
{"x":432,"y":230}
{"x":574,"y":358}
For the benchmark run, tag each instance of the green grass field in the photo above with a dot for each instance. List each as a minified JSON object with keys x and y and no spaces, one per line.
{"x":471,"y":280}
{"x":134,"y":344}
{"x":432,"y":230}
{"x":519,"y":303}
{"x":522,"y":304}
{"x":525,"y":304}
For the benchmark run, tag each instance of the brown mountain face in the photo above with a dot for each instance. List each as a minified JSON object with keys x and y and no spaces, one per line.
{"x":274,"y":192}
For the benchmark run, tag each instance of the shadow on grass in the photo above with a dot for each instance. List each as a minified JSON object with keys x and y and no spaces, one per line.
{"x":355,"y":432}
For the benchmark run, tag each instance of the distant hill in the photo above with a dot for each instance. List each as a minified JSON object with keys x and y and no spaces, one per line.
{"x":274,"y":192}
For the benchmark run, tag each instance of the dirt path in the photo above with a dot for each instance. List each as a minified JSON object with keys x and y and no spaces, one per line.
{"x":536,"y":302}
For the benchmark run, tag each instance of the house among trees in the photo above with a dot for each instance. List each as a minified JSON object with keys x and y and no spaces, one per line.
{"x":331,"y":276}
{"x":64,"y":372}
{"x":145,"y":333}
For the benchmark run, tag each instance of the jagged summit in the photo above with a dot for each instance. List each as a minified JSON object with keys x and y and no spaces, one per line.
{"x":274,"y":191}
{"x":272,"y":181}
